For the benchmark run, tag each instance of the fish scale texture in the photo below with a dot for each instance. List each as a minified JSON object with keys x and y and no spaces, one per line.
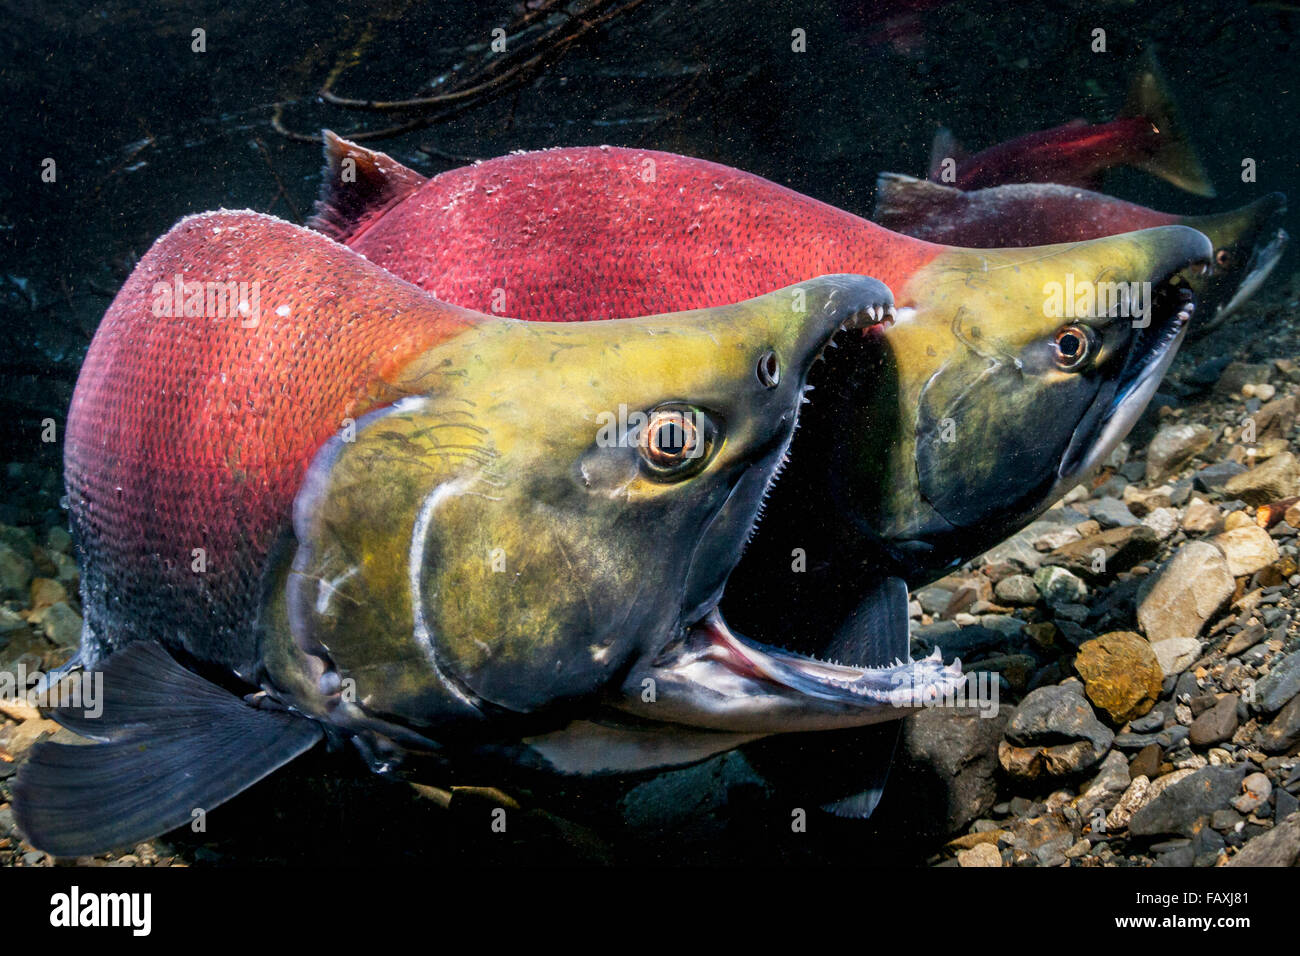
{"x":193,"y":432}
{"x":603,"y":232}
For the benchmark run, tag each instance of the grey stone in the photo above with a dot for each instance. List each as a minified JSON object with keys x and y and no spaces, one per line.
{"x":1053,"y":715}
{"x":1213,"y":477}
{"x":947,"y":765}
{"x":1059,"y":586}
{"x":1284,"y":732}
{"x":1217,"y":724}
{"x":1179,"y":807}
{"x":1112,"y":513}
{"x":1180,"y":598}
{"x":1279,"y":685}
{"x":1017,"y":590}
{"x":1280,"y":846}
{"x":15,"y":572}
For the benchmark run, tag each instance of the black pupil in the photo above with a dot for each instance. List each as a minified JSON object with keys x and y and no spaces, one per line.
{"x":671,"y":439}
{"x":1070,"y":345}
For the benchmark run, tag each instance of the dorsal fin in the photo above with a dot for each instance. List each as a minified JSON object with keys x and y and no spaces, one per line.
{"x":902,"y":200}
{"x":945,"y":146}
{"x":358,"y":185}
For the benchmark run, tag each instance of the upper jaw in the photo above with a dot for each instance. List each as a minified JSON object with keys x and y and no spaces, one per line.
{"x":712,"y":678}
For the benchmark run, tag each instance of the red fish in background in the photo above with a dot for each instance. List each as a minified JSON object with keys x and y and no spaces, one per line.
{"x":1247,"y":240}
{"x":1146,"y":134}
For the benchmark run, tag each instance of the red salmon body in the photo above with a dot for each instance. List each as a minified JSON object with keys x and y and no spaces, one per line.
{"x":1147,"y":134}
{"x":1073,"y":155}
{"x":599,"y":232}
{"x":173,"y":417}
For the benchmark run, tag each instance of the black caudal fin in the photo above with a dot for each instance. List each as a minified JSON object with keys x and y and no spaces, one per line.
{"x":844,"y":771}
{"x":358,"y":185}
{"x":903,"y":201}
{"x":173,"y":742}
{"x":944,"y":147}
{"x":872,"y":749}
{"x":877,"y":634}
{"x":1174,"y":160}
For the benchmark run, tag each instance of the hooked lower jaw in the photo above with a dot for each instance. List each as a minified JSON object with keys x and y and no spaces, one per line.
{"x":714,"y":679}
{"x":1149,"y":359}
{"x":1261,"y":263}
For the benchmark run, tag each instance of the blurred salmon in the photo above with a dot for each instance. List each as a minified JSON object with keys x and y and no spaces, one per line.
{"x":1146,"y":134}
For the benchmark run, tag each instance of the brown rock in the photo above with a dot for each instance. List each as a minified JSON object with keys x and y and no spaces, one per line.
{"x":1236,"y":519}
{"x":1247,"y":549}
{"x":1280,"y":846}
{"x":1277,"y":478}
{"x":1173,"y":446}
{"x":1120,"y":674}
{"x":983,"y":855}
{"x":1099,"y":556}
{"x":1147,"y":762}
{"x":1276,"y":418}
{"x":1142,"y":500}
{"x":968,"y":841}
{"x":46,"y":591}
{"x":1201,"y":517}
{"x":1217,"y":724}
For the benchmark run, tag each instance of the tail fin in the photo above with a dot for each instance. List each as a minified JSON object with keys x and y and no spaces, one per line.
{"x":1174,"y":161}
{"x":175,"y":742}
{"x":358,"y":185}
{"x":902,"y":201}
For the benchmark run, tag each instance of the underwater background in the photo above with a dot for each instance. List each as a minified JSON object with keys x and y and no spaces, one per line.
{"x":143,"y":131}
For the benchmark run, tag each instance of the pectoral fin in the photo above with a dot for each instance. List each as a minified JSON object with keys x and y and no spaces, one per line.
{"x":174,"y":743}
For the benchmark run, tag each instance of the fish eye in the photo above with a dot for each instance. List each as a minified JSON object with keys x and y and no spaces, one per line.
{"x":1223,"y":258}
{"x":1073,"y":347}
{"x":675,"y":441}
{"x":769,"y":370}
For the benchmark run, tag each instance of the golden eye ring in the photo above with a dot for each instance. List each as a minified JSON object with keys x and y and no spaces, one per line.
{"x":1073,"y":347}
{"x":670,"y":438}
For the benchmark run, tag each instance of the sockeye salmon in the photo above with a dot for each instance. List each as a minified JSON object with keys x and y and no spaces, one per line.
{"x":1147,"y":134}
{"x":313,"y":502}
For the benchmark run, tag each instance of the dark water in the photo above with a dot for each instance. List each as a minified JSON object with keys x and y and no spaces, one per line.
{"x":144,"y":131}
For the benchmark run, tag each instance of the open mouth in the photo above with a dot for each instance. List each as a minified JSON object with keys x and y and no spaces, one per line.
{"x":1258,"y":267}
{"x":1149,"y":355}
{"x":739,"y":684}
{"x":900,"y":684}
